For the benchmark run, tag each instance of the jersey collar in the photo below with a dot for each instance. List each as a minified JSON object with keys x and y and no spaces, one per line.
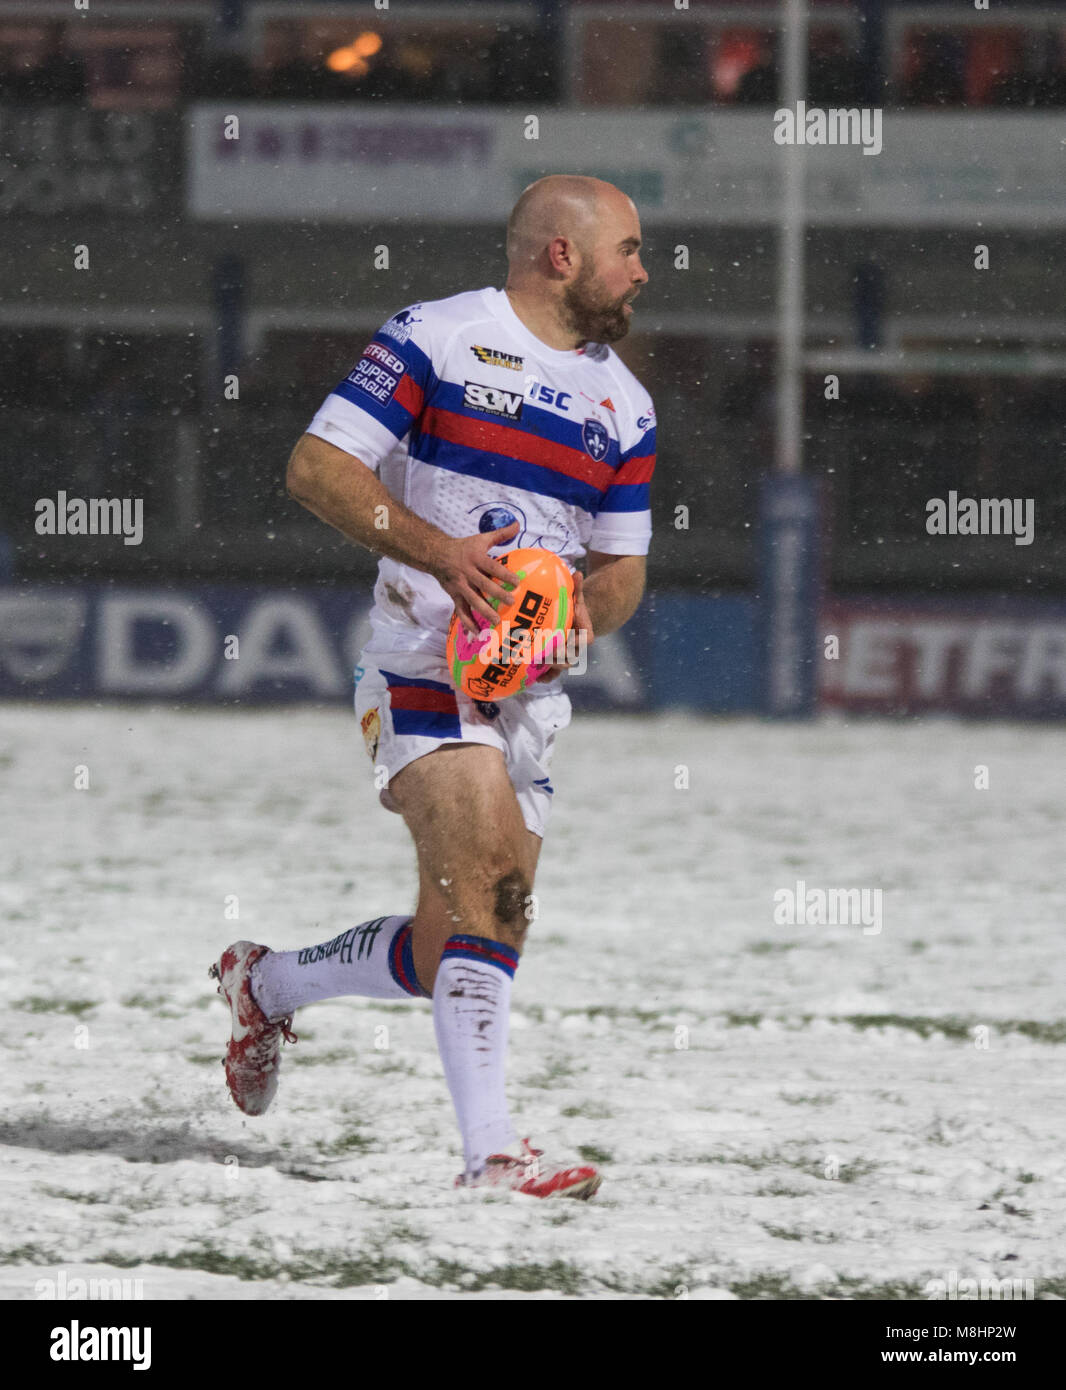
{"x":501,"y":306}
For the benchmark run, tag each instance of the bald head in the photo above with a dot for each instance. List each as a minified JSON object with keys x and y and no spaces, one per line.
{"x":573,"y":263}
{"x":561,"y":205}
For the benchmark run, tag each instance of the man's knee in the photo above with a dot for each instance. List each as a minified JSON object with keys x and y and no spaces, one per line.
{"x":511,"y":894}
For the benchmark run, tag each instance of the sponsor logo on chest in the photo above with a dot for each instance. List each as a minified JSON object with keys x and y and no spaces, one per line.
{"x":493,"y":400}
{"x":493,"y":357}
{"x":547,"y":395}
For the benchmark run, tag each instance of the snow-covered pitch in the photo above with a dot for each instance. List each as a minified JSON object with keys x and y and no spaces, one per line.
{"x":780,"y":1110}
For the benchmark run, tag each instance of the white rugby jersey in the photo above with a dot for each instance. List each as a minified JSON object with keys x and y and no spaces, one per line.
{"x":472,"y":422}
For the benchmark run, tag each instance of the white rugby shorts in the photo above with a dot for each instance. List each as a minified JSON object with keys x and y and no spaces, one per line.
{"x":407,"y":706}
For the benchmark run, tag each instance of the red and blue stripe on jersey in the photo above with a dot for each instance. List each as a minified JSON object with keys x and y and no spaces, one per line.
{"x":542,"y":452}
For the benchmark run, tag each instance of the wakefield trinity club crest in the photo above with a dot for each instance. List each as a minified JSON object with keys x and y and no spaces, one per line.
{"x":595,"y":439}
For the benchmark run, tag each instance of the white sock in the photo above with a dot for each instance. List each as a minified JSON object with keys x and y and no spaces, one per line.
{"x":373,"y":959}
{"x":471,"y":1012}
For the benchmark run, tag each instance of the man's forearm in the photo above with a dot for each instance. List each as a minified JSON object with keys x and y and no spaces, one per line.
{"x":613,"y":593}
{"x":343,"y":492}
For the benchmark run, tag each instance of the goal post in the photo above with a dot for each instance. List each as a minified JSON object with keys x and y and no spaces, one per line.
{"x":789,"y":526}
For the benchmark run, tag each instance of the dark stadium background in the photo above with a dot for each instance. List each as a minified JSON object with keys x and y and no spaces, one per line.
{"x":111,"y":381}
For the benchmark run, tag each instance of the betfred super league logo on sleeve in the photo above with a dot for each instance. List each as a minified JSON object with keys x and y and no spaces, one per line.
{"x":377,"y":373}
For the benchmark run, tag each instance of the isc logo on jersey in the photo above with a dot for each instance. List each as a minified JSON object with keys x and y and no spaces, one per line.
{"x":493,"y":400}
{"x":549,"y":395}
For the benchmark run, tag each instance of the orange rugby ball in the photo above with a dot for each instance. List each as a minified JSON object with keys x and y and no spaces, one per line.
{"x":511,"y":655}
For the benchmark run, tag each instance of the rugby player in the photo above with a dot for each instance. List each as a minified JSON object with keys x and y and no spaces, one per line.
{"x":470,"y":425}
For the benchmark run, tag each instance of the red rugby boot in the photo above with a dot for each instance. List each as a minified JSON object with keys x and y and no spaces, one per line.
{"x":251,"y":1061}
{"x":528,"y":1172}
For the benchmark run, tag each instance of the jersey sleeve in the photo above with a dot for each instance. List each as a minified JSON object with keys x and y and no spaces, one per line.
{"x":622,"y":525}
{"x":384,"y":394}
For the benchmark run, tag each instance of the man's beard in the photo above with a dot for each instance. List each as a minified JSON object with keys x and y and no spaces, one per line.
{"x":593,"y":315}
